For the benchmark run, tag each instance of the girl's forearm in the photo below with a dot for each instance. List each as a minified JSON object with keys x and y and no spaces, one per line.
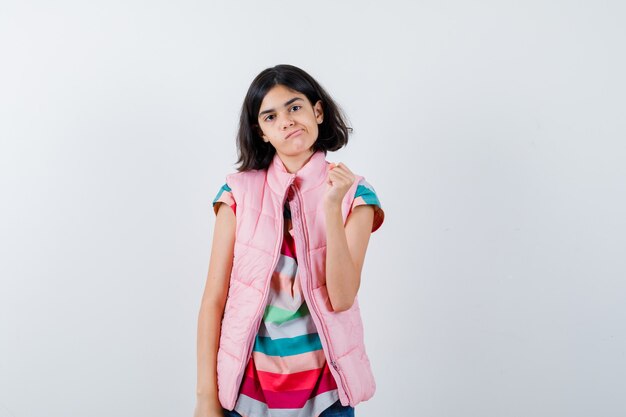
{"x":342,"y":276}
{"x":209,"y":327}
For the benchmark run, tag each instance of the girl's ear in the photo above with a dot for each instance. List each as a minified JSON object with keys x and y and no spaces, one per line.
{"x":319,"y":112}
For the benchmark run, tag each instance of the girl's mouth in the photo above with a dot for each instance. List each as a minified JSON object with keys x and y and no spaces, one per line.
{"x":293,"y":134}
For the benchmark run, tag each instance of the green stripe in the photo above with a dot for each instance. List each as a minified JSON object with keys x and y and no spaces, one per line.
{"x":368,"y":195}
{"x":287,"y":346}
{"x":279,"y":315}
{"x":225,"y":187}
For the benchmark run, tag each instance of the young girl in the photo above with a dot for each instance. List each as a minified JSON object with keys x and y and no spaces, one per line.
{"x":279,"y":328}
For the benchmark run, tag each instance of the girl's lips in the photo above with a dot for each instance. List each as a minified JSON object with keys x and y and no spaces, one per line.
{"x":294,"y":133}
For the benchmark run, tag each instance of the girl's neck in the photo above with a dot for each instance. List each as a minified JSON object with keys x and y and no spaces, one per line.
{"x":294,"y":163}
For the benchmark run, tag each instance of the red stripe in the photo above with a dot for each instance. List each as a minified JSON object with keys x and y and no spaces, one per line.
{"x":288,"y":248}
{"x":287,"y":382}
{"x":286,"y":399}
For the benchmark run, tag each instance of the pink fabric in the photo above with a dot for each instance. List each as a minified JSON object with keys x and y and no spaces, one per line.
{"x":260,"y":197}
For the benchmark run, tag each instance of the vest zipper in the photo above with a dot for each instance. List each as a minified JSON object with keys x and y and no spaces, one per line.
{"x":312,"y":302}
{"x":259,"y":314}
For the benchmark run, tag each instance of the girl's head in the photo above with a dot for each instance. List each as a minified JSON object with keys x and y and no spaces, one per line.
{"x":285,"y":100}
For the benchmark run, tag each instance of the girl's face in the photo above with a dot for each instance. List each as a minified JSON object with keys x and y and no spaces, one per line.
{"x":289,"y":122}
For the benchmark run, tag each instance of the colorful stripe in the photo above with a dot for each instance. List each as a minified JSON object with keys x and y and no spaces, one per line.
{"x":288,"y":346}
{"x":366,"y":195}
{"x":296,"y":381}
{"x":291,"y":328}
{"x":297,"y":388}
{"x":224,"y":195}
{"x":365,"y":191}
{"x":286,"y":364}
{"x":249,"y":407}
{"x":278,"y":315}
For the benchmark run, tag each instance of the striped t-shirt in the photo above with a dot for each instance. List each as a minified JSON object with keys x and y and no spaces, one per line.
{"x":287,"y":374}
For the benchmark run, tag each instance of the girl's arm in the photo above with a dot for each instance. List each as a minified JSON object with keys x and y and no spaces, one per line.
{"x":211,"y":312}
{"x":345,"y":252}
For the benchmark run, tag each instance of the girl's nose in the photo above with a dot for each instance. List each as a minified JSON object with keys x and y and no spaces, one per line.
{"x":286,"y":122}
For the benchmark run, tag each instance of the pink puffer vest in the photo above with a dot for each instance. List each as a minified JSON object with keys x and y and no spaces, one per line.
{"x":260,"y":196}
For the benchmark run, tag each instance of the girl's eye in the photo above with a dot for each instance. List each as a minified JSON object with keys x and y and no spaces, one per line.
{"x":270,"y":117}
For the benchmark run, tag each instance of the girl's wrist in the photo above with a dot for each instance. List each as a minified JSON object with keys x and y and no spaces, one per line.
{"x":331,"y":206}
{"x":207,"y":396}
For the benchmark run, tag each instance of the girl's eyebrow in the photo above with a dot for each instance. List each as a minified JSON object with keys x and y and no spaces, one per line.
{"x":285,"y":105}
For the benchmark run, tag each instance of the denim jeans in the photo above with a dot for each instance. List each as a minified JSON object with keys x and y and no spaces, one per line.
{"x":338,"y":410}
{"x":335,"y":410}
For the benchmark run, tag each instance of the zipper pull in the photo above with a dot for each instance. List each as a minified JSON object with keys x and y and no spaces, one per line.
{"x":334,"y":365}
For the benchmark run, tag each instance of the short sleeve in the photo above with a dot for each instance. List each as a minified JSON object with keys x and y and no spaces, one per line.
{"x":224,"y":195}
{"x":366,"y":195}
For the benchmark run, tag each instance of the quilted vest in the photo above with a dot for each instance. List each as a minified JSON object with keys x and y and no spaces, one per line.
{"x":260,"y":196}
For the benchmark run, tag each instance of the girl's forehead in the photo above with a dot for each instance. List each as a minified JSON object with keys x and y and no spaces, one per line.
{"x":278,"y":96}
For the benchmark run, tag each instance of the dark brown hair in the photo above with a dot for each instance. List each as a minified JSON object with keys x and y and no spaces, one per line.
{"x":252,"y":151}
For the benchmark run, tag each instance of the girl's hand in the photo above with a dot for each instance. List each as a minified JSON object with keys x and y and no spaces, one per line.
{"x":207,"y":408}
{"x":339,"y":180}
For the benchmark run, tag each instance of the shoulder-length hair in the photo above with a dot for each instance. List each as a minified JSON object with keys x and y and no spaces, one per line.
{"x":252,"y":151}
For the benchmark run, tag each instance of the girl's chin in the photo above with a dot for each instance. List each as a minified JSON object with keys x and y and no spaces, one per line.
{"x":297,"y":152}
{"x":298,"y":147}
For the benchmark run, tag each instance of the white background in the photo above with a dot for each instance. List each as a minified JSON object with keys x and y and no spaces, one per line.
{"x":493,"y":133}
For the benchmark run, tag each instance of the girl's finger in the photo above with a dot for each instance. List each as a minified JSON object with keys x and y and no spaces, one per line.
{"x":338,"y":173}
{"x":344,"y":167}
{"x":340,"y":180}
{"x":342,"y":173}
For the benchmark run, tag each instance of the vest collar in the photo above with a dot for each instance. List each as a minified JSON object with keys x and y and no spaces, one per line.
{"x":311,"y":175}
